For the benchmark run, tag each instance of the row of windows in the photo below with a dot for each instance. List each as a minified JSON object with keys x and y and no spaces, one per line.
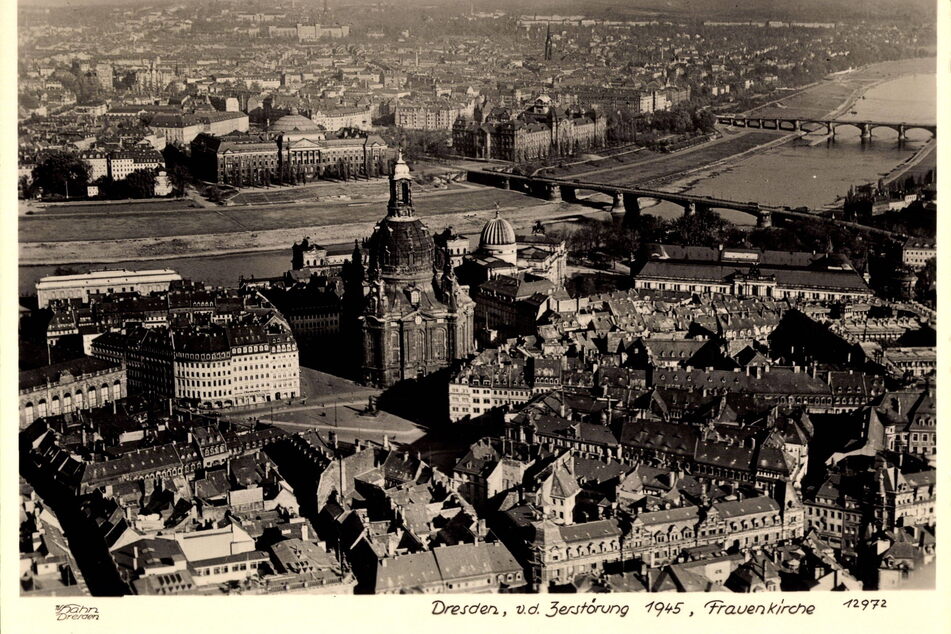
{"x":66,"y":404}
{"x":217,"y":570}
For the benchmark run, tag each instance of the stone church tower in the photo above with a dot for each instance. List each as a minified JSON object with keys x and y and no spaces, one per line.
{"x":416,"y":318}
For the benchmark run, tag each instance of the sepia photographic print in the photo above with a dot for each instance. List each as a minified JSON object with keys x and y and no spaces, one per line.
{"x":447,"y":297}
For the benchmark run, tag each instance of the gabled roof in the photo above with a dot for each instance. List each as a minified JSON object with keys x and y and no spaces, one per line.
{"x":749,"y":506}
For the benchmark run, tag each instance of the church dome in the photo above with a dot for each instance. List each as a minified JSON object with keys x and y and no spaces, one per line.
{"x":295,"y":123}
{"x":402,"y":247}
{"x":497,"y":232}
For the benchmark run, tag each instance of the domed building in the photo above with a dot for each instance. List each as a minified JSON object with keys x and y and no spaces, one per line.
{"x":502,"y":252}
{"x":511,"y":276}
{"x":296,"y":124}
{"x":417,"y":318}
{"x":306,"y":151}
{"x":498,"y":239}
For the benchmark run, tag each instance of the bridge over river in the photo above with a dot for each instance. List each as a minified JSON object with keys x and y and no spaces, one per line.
{"x":626,"y":207}
{"x":816,"y":125}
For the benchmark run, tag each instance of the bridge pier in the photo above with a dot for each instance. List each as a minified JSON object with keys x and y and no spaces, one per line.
{"x":764,"y":219}
{"x":568,"y":194}
{"x":505,"y":183}
{"x":550,"y":192}
{"x":632,"y":211}
{"x":617,"y":204}
{"x":866,"y":131}
{"x":902,"y":136}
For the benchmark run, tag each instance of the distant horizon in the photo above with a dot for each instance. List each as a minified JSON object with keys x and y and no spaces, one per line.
{"x":817,"y":10}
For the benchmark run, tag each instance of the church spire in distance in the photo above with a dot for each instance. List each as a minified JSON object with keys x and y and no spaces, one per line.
{"x":548,"y":43}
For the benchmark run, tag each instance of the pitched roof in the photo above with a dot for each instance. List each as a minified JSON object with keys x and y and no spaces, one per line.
{"x":471,"y":560}
{"x":599,"y":529}
{"x":76,"y":367}
{"x":669,"y":516}
{"x":749,"y":506}
{"x":407,"y":571}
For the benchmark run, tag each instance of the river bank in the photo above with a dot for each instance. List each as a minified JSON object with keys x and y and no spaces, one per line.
{"x":216,"y":244}
{"x":196,"y":233}
{"x":851,"y":159}
{"x":828,"y":98}
{"x":923,"y":161}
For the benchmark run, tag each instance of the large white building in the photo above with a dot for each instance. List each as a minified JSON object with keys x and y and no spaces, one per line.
{"x":332,"y":120}
{"x":749,"y":273}
{"x":916,"y":253}
{"x":212,"y":366}
{"x":183,"y":128}
{"x":82,"y":285}
{"x":98,"y":162}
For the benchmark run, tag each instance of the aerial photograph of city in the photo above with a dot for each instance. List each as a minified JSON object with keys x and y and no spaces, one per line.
{"x":351,"y":297}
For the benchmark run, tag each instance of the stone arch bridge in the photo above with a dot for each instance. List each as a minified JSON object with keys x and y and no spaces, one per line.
{"x":626,"y":200}
{"x":626,"y":208}
{"x":815,"y":125}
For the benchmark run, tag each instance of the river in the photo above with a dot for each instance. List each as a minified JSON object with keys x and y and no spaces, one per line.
{"x":799,"y":174}
{"x":794,"y":174}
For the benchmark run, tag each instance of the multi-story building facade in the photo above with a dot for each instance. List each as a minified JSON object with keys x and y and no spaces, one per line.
{"x":124,"y":162}
{"x":82,"y":285}
{"x":235,"y":157}
{"x":511,"y":305}
{"x":427,"y":116}
{"x":311,"y":32}
{"x":911,"y":360}
{"x":307,"y":151}
{"x":71,"y":386}
{"x":181,"y":129}
{"x":916,"y":253}
{"x":538,"y":132}
{"x":556,"y":553}
{"x":749,"y":272}
{"x":858,"y":497}
{"x":495,"y":379}
{"x":210,"y":366}
{"x":98,"y":162}
{"x":338,"y":118}
{"x":658,"y":537}
{"x":905,"y":421}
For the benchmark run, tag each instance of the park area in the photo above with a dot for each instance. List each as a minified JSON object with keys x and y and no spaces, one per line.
{"x":111,"y":208}
{"x":118,"y":223}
